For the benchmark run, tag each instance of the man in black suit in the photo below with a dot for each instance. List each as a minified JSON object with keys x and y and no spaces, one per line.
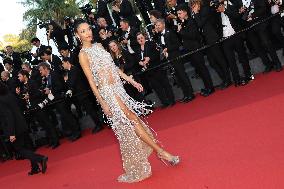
{"x":102,"y":11}
{"x":10,"y":82}
{"x":15,"y":57}
{"x":258,"y":35}
{"x":9,"y":66}
{"x":15,"y":128}
{"x":129,"y":36}
{"x":54,"y":89}
{"x":75,"y":85}
{"x":160,"y":5}
{"x":66,"y":53}
{"x":39,"y":48}
{"x":33,"y":73}
{"x":229,"y":25}
{"x":150,"y":57}
{"x":1,"y":67}
{"x":31,"y":96}
{"x":53,"y":60}
{"x":170,"y":43}
{"x":125,"y":11}
{"x":205,"y":19}
{"x":191,"y":39}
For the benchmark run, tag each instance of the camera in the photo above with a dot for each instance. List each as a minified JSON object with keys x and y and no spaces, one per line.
{"x":26,"y":55}
{"x":43,"y":25}
{"x":215,"y":3}
{"x":87,"y":9}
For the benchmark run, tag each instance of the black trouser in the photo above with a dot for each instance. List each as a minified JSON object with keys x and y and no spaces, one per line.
{"x":44,"y":121}
{"x":69,"y":123}
{"x":198,"y":62}
{"x":91,"y":109}
{"x":160,"y":83}
{"x":230,"y":46}
{"x":262,"y":45}
{"x":218,"y":62}
{"x":19,"y":146}
{"x":183,"y":79}
{"x":275,"y":24}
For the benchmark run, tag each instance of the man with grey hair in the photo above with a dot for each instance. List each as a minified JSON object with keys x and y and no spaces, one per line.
{"x":10,"y":82}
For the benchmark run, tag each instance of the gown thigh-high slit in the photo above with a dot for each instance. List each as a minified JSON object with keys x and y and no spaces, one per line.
{"x":134,"y":152}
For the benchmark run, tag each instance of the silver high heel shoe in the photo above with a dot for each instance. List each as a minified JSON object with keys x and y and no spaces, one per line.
{"x":175,"y":160}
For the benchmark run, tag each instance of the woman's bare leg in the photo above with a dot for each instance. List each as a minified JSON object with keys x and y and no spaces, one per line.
{"x":139,"y":130}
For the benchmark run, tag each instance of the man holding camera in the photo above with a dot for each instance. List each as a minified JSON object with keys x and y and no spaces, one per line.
{"x":31,"y":96}
{"x":54,"y":89}
{"x":253,"y":11}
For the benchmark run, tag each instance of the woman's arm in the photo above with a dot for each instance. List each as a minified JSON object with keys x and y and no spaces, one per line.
{"x":85,"y":64}
{"x":130,"y":80}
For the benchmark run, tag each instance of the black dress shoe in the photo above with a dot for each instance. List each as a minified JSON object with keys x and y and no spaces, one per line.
{"x":187,"y":99}
{"x":43,"y":164}
{"x":75,"y":137}
{"x":53,"y":146}
{"x":225,"y":85}
{"x":207,"y":92}
{"x":97,"y":129}
{"x":268,"y":69}
{"x":278,"y":69}
{"x":34,"y":171}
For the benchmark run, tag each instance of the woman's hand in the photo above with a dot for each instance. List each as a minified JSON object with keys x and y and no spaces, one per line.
{"x":106,"y":109}
{"x":138,"y":86}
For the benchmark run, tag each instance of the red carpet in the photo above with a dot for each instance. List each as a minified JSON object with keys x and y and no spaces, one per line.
{"x":233,"y":139}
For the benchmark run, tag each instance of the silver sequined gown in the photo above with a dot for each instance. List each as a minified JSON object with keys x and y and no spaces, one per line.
{"x":134,"y":151}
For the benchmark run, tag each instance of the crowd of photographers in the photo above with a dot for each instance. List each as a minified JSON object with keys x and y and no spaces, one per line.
{"x":47,"y":85}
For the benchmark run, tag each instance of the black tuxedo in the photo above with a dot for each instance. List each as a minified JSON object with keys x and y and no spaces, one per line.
{"x":191,"y":41}
{"x":77,"y":83}
{"x":17,"y":61}
{"x":206,"y":21}
{"x":132,"y":38}
{"x":36,"y":97}
{"x":172,"y":44}
{"x":35,"y":76}
{"x":12,"y":84}
{"x":56,"y":84}
{"x":235,"y":44}
{"x":55,"y":63}
{"x":14,"y":124}
{"x":258,"y":36}
{"x":157,"y":78}
{"x":102,"y":11}
{"x":126,"y":12}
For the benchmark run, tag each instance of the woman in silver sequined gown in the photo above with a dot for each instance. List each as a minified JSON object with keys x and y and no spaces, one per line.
{"x":134,"y":136}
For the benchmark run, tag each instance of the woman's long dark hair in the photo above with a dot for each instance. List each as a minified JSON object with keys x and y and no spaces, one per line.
{"x":3,"y":89}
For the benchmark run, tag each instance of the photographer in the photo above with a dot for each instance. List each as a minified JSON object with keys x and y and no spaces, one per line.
{"x":10,"y":82}
{"x":275,"y":23}
{"x":54,"y":89}
{"x":66,"y":53}
{"x":103,"y":12}
{"x":39,"y":48}
{"x":33,"y":73}
{"x":31,"y":96}
{"x":188,"y":31}
{"x":124,"y":9}
{"x":149,"y":57}
{"x":229,"y":24}
{"x":252,"y":12}
{"x":9,"y":66}
{"x":56,"y":33}
{"x":205,"y":18}
{"x":15,"y":57}
{"x":69,"y":31}
{"x":54,"y":61}
{"x":170,"y":44}
{"x":75,"y":86}
{"x":129,"y":36}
